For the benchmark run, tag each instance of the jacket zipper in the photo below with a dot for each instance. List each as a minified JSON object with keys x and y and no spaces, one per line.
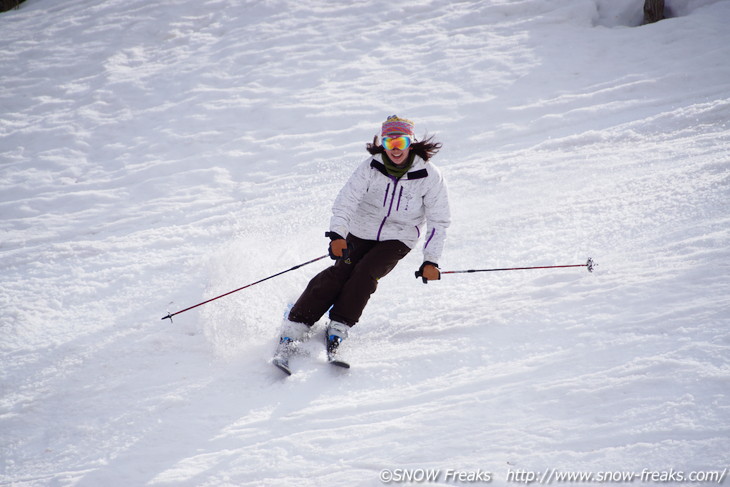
{"x":390,"y":208}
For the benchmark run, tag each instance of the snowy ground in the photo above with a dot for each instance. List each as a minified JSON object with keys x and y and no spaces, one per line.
{"x":156,"y":154}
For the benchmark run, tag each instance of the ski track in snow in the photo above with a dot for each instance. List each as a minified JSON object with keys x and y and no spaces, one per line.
{"x":154,"y":155}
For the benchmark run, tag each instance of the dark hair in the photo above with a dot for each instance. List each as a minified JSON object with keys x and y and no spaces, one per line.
{"x":425,"y":149}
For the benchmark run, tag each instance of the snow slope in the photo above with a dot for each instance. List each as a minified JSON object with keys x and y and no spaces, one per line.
{"x":156,"y":154}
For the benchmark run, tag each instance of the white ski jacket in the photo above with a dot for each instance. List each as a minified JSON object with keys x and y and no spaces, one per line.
{"x":376,"y":206}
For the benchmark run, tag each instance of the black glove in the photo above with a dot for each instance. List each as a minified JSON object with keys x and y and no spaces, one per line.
{"x":338,"y":248}
{"x":429,"y":271}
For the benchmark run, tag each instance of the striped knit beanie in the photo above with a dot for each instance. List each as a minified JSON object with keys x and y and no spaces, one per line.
{"x":396,"y":125}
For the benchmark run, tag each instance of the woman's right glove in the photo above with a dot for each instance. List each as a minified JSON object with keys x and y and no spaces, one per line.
{"x":429,"y":271}
{"x":338,"y":246}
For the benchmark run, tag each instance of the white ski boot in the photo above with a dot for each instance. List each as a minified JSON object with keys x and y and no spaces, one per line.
{"x":291,"y":334}
{"x":335,"y":333}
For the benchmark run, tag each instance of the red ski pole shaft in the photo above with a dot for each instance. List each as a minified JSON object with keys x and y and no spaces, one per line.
{"x":590,"y":265}
{"x":170,"y":315}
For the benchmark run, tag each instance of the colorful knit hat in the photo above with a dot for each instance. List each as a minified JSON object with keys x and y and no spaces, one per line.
{"x":395,"y":125}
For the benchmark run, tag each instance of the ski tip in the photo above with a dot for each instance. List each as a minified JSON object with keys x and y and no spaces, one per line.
{"x":340,"y":363}
{"x":282,"y":366}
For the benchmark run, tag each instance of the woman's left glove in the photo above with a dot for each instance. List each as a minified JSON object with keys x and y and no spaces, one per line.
{"x":338,"y":246}
{"x":429,"y":271}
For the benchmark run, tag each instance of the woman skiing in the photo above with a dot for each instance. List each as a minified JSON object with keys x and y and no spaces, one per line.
{"x":377,"y":218}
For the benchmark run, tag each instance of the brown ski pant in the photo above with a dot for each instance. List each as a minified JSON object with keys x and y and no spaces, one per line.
{"x":347,"y":285}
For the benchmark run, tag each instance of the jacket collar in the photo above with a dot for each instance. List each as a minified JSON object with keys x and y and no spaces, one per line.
{"x":418,"y":169}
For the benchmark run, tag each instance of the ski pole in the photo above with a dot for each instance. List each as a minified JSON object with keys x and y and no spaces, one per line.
{"x":590,"y":265}
{"x":170,"y":315}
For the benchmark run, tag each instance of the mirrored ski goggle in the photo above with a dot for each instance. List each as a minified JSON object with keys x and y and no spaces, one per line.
{"x":396,"y":143}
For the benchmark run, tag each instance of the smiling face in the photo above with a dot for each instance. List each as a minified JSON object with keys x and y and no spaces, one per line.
{"x":397,"y":147}
{"x":398,"y":156}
